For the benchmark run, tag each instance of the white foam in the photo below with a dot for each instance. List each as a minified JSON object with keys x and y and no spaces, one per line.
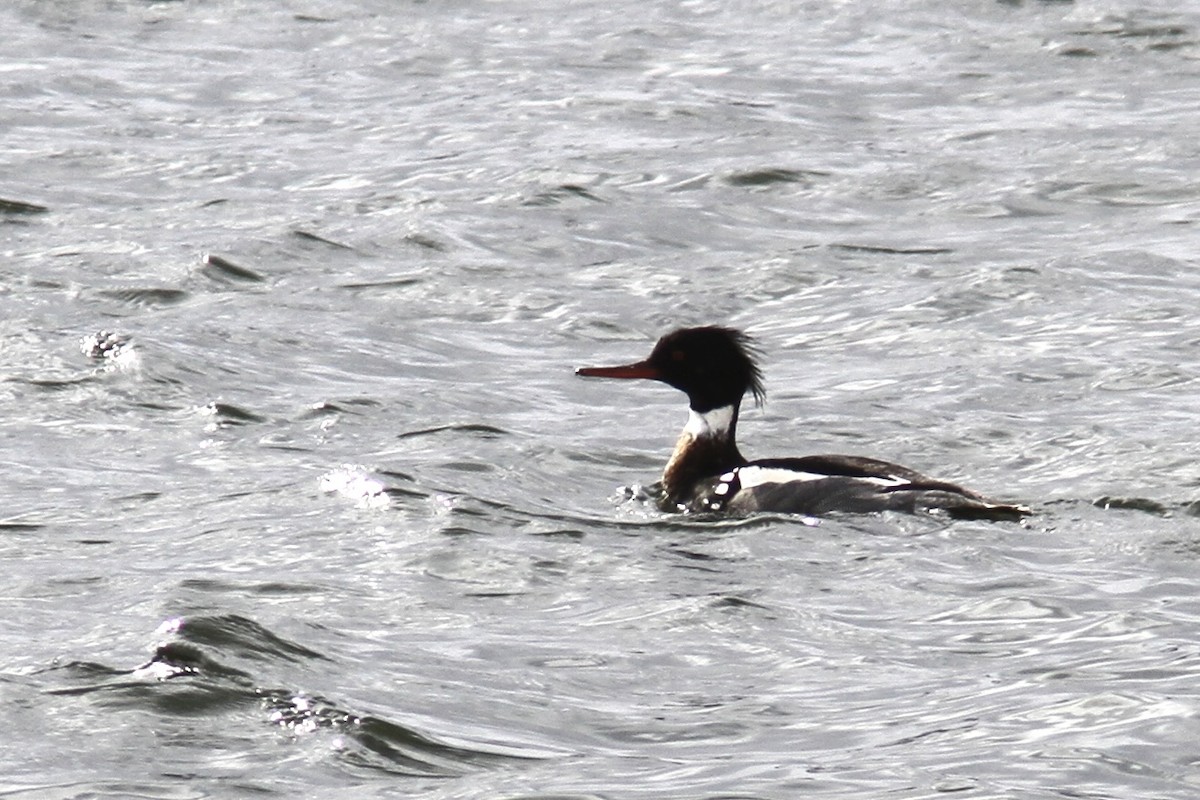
{"x":357,"y":484}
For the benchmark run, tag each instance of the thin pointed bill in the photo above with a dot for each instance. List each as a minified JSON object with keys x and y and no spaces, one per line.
{"x":629,"y":371}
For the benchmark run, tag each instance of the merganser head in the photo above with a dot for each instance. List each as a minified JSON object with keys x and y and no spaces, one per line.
{"x":712,"y":365}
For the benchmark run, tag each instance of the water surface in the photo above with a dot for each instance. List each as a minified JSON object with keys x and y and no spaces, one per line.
{"x":329,"y":512}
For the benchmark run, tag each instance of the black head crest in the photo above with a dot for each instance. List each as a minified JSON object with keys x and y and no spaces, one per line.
{"x":715,"y":366}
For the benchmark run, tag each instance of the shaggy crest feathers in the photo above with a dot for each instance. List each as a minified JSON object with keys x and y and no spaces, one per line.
{"x":714,"y":365}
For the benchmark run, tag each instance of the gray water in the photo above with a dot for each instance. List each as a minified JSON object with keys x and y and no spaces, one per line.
{"x":329,"y":515}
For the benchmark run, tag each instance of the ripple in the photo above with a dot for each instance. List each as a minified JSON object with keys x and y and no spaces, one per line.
{"x":481,"y":430}
{"x":190,"y":676}
{"x":227,"y":414}
{"x":309,"y":236}
{"x":372,"y":743}
{"x":153,"y":296}
{"x":240,"y":637}
{"x":225,"y":270}
{"x":8,"y":206}
{"x":773,"y":175}
{"x":562,"y":194}
{"x":1122,"y":194}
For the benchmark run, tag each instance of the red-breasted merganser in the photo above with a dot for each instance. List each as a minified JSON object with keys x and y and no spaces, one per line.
{"x":715,"y":367}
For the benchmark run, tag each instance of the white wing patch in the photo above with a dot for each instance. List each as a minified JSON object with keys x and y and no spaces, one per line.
{"x":890,"y":481}
{"x":759,"y":476}
{"x":728,"y":486}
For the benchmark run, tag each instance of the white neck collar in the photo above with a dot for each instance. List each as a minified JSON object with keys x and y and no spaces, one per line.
{"x":714,"y":424}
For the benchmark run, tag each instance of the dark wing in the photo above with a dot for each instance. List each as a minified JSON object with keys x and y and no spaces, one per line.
{"x":922,"y":490}
{"x":860,"y":467}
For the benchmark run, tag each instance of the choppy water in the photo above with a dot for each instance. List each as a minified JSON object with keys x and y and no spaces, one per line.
{"x":331,"y":514}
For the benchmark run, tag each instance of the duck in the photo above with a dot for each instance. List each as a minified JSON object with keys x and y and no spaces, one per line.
{"x":716,"y":367}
